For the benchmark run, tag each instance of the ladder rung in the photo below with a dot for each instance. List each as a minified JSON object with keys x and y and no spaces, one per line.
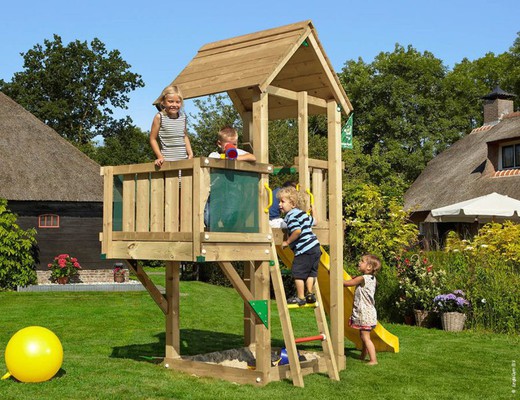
{"x":307,"y":305}
{"x":310,"y":338}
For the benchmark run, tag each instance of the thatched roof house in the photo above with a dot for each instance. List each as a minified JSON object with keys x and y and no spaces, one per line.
{"x":478,"y":164}
{"x":51,"y":185}
{"x":38,"y":164}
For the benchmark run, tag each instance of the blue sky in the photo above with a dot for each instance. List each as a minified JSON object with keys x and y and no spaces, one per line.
{"x":158,"y":39}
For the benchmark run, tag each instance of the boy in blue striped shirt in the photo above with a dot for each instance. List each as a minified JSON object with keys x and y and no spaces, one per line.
{"x":303,"y":242}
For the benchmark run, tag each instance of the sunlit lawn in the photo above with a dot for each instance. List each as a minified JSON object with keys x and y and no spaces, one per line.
{"x":108,"y":338}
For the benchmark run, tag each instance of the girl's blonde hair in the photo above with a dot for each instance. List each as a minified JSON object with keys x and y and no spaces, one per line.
{"x":373,"y":261}
{"x":172,"y":89}
{"x":291,"y":194}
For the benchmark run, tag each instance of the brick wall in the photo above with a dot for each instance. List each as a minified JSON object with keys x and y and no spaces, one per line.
{"x":85,"y":276}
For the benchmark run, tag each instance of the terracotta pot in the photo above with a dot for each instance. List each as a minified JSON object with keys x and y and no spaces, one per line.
{"x":62,"y":280}
{"x":119,"y":278}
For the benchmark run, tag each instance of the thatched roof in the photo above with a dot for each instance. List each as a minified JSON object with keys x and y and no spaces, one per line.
{"x":38,"y":164}
{"x":289,"y":57}
{"x":457,"y":174}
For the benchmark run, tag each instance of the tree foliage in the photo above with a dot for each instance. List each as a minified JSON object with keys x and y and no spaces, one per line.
{"x":17,"y":264}
{"x":126,"y":144}
{"x":73,"y":88}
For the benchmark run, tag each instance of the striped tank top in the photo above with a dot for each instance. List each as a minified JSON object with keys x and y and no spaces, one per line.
{"x":171,"y":137}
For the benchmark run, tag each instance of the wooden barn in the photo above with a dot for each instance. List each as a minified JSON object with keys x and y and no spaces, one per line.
{"x":280,"y":73}
{"x":53,"y":187}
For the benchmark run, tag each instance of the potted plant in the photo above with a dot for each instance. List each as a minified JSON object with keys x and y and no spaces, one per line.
{"x":119,"y":273}
{"x":452,"y":307}
{"x":418,"y":281}
{"x":63,"y":267}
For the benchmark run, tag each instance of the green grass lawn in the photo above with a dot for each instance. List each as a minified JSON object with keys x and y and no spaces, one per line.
{"x":106,"y":334}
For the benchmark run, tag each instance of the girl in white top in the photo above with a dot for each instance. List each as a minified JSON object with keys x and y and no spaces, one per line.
{"x":168,"y":136}
{"x":364,"y":315}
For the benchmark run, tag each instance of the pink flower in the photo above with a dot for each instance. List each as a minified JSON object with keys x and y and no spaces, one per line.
{"x":76,"y":264}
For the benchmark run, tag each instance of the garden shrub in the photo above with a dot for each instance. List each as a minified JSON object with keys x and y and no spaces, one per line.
{"x":17,"y":261}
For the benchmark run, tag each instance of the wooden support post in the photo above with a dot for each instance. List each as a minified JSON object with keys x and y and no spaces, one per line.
{"x":303,"y":145}
{"x":336,"y":233}
{"x":261,"y":281}
{"x":172,"y":316}
{"x":108,"y":199}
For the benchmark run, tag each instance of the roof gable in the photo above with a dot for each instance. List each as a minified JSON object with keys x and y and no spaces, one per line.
{"x":288,"y":57}
{"x":38,"y":164}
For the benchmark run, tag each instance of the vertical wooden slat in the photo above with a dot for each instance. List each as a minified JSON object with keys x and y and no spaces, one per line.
{"x":157,"y":202}
{"x":172,"y":316}
{"x":336,"y":233}
{"x":303,"y":146}
{"x":318,"y":191}
{"x":108,"y":198}
{"x":171,"y":201}
{"x":129,"y":203}
{"x":143,"y":203}
{"x":186,"y":206}
{"x":199,"y":180}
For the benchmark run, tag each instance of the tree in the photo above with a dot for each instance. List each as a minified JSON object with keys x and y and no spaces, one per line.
{"x":126,"y":144}
{"x":73,"y":88}
{"x":17,"y":252}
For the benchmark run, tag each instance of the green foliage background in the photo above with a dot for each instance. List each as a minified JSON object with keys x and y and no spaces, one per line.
{"x":17,"y":266}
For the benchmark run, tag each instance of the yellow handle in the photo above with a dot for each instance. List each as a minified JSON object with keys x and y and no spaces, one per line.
{"x":311,"y":199}
{"x":7,"y":375}
{"x":270,"y":194}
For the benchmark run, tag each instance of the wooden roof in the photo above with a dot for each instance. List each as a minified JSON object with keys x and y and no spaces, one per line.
{"x":289,"y":57}
{"x":38,"y":164}
{"x":459,"y":173}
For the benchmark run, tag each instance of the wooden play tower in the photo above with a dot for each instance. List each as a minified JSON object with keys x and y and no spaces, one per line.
{"x":281,"y":73}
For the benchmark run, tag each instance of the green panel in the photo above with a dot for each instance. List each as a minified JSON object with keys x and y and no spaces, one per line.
{"x":233,"y":203}
{"x":260,"y":308}
{"x":117,"y":210}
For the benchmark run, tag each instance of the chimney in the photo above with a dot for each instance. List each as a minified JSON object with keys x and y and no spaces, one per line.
{"x":497,"y":104}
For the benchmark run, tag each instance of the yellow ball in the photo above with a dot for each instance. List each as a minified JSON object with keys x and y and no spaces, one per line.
{"x":33,"y":354}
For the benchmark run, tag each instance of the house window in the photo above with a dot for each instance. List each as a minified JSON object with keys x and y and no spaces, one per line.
{"x":511,"y":156}
{"x":48,"y":221}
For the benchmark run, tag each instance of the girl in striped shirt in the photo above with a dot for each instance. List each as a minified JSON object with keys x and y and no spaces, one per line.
{"x":168,"y":136}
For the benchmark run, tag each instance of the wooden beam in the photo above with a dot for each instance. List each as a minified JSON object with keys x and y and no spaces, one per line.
{"x":166,"y":251}
{"x":108,"y":199}
{"x":336,"y":233}
{"x":172,"y":334}
{"x":155,"y":294}
{"x":292,"y":95}
{"x":303,"y":146}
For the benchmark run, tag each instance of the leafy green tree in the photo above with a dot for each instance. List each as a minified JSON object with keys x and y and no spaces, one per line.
{"x":375,"y":224}
{"x":126,"y":144}
{"x":17,"y":264}
{"x":74,"y":88}
{"x":399,"y":102}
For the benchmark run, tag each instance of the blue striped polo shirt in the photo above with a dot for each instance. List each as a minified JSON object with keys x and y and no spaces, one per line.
{"x":297,"y":219}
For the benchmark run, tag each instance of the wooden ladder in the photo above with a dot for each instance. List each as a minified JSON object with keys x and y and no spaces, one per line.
{"x":287,"y":330}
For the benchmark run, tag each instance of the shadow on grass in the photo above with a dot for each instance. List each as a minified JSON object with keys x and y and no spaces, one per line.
{"x":193,"y":342}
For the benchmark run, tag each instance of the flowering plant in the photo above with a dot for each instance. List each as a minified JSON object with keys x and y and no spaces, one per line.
{"x":119,"y":270}
{"x":451,"y":302}
{"x":418,"y":281}
{"x":64,"y":265}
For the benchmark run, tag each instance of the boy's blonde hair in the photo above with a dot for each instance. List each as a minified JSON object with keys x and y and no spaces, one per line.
{"x":172,"y":89}
{"x":227,"y":132}
{"x":373,"y":261}
{"x":290,"y":193}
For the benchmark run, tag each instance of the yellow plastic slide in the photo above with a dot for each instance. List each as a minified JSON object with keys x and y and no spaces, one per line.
{"x":382,"y":339}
